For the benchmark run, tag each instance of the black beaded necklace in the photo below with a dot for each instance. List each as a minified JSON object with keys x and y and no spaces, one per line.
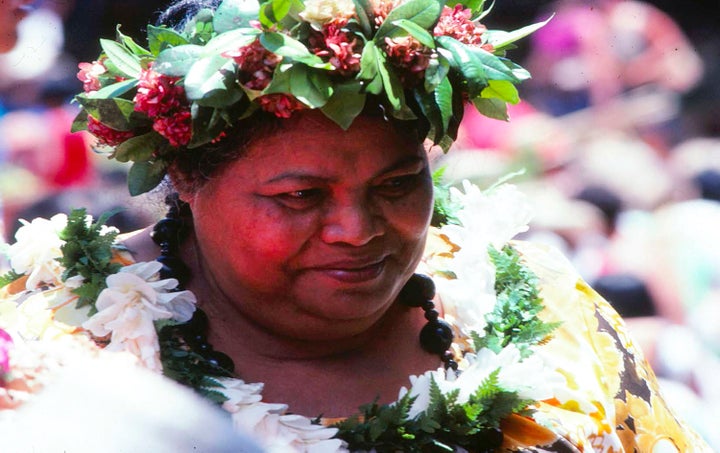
{"x":436,"y":336}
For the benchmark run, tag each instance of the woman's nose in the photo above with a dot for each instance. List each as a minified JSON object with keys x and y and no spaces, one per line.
{"x":355,"y":223}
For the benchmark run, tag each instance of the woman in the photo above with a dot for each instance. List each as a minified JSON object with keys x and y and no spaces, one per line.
{"x":293,"y":135}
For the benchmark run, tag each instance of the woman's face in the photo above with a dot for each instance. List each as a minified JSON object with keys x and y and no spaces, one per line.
{"x":11,"y":12}
{"x":315,"y":229}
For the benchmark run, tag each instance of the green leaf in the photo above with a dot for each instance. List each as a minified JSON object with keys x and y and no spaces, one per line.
{"x":424,"y":13}
{"x":124,"y":60}
{"x":417,"y":32}
{"x":492,"y":108}
{"x":111,"y":91}
{"x":365,"y":16}
{"x":501,"y":89}
{"x":288,"y":47}
{"x":369,"y":73}
{"x":444,"y":100}
{"x":9,"y":277}
{"x":232,"y":14}
{"x":177,"y":61}
{"x":391,"y":83}
{"x":211,"y":80}
{"x":145,"y":176}
{"x":231,"y":40}
{"x":131,"y":45}
{"x":160,"y":38}
{"x":80,"y":122}
{"x":117,"y":113}
{"x":310,"y":87}
{"x":477,"y":65}
{"x":140,"y":148}
{"x":501,"y":40}
{"x":273,"y":11}
{"x":473,"y":5}
{"x":437,"y":70}
{"x":345,"y":104}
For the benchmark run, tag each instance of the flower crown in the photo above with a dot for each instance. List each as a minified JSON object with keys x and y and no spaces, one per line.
{"x":422,"y":58}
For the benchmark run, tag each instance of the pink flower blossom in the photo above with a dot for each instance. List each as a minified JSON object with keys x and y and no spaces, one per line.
{"x":410,"y":57}
{"x":336,"y":46}
{"x":6,"y":344}
{"x":256,"y":65}
{"x":280,"y":104}
{"x":381,"y":9}
{"x":89,"y":75}
{"x":158,"y":94}
{"x":456,"y":22}
{"x":107,"y":135}
{"x":177,"y":128}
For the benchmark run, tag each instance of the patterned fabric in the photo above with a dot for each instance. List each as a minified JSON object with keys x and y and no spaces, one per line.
{"x":612,"y":401}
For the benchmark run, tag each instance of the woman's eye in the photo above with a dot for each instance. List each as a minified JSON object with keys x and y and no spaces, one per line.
{"x":398,"y":185}
{"x":300,"y":199}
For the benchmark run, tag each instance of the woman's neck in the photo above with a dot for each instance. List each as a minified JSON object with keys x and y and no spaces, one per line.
{"x":307,"y":373}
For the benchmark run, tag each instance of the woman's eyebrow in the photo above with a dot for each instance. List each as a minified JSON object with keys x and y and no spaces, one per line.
{"x":307,"y":176}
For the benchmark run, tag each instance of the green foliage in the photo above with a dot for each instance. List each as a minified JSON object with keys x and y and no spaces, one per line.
{"x":87,"y":253}
{"x":9,"y":277}
{"x":514,"y":320}
{"x":187,"y":367}
{"x":444,"y":426}
{"x":197,"y":55}
{"x":443,"y":209}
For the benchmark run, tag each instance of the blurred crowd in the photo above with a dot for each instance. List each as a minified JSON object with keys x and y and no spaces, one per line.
{"x":617,"y":138}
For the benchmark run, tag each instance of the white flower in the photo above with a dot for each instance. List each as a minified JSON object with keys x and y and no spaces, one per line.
{"x":529,"y":377}
{"x":133,"y":300}
{"x":489,"y":218}
{"x":36,"y":250}
{"x":273,"y":429}
{"x":321,"y":12}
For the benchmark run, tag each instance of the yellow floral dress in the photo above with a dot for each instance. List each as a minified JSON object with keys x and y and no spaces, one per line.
{"x":612,"y":401}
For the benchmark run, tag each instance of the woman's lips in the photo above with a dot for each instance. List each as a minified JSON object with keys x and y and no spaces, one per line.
{"x":353,"y":274}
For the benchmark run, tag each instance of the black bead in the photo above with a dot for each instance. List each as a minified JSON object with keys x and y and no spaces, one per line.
{"x":451,"y":364}
{"x":428,"y":305}
{"x":219,"y":359}
{"x":489,"y":440}
{"x":173,"y":267}
{"x":167,"y":231}
{"x":432,"y":315}
{"x":417,"y":290}
{"x":198,"y":324}
{"x":436,"y":336}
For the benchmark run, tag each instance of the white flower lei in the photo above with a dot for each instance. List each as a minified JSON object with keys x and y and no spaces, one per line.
{"x":135,"y":297}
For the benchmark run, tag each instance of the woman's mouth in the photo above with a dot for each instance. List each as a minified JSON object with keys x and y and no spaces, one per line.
{"x":353,"y":273}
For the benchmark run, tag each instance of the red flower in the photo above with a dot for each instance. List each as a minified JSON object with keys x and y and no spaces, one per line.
{"x":456,"y":22}
{"x":256,"y":65}
{"x":410,"y":57}
{"x":280,"y":104}
{"x":107,"y":135}
{"x":176,"y":128}
{"x":89,"y":75}
{"x":336,"y":46}
{"x":158,"y":95}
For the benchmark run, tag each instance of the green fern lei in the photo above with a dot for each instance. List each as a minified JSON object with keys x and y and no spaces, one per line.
{"x":87,"y":253}
{"x":445,"y":425}
{"x":514,"y":320}
{"x":9,"y":277}
{"x":474,"y":425}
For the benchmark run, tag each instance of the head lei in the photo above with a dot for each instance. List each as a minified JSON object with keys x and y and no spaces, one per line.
{"x":422,"y":58}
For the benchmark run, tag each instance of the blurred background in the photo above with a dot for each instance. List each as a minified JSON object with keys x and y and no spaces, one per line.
{"x":617,"y":134}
